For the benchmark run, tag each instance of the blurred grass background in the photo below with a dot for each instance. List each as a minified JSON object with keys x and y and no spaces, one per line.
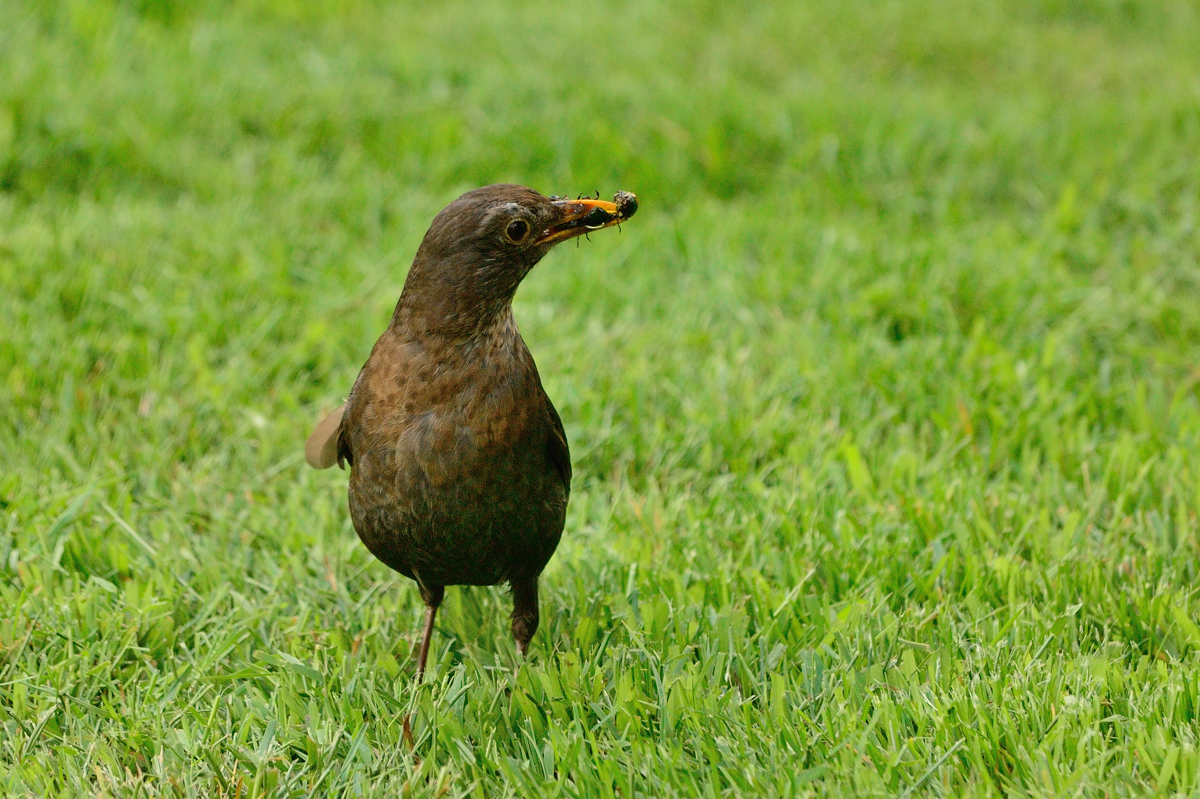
{"x":884,"y":409}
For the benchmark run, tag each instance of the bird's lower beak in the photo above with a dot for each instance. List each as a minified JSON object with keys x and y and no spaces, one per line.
{"x":585,"y":215}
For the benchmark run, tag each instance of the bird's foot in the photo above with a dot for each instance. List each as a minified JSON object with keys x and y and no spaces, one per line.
{"x":408,"y":736}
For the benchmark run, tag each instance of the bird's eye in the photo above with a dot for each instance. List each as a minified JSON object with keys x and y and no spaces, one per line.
{"x":517,"y":231}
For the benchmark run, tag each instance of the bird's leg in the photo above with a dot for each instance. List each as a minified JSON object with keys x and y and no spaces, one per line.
{"x":432,"y":594}
{"x":525,"y":611}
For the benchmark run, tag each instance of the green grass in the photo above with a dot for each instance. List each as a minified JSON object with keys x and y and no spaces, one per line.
{"x":885,"y":410}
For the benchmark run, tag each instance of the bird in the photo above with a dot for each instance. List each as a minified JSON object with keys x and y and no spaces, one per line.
{"x":460,"y":471}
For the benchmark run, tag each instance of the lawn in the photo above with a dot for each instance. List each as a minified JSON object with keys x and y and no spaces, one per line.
{"x":884,"y":411}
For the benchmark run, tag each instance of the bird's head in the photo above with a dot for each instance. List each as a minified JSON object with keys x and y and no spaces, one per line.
{"x":480,"y":247}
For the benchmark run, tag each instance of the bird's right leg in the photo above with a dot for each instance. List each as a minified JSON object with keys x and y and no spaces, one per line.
{"x":432,"y":594}
{"x":525,"y":611}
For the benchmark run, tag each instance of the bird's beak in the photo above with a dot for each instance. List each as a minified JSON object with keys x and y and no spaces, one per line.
{"x":585,"y":215}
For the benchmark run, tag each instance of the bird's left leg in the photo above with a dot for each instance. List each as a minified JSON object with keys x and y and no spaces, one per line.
{"x":432,"y":595}
{"x":525,"y":611}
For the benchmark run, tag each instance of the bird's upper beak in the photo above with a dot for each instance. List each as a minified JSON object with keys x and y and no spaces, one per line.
{"x":581,"y":216}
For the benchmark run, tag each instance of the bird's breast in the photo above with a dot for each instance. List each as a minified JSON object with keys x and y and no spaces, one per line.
{"x":469,"y":436}
{"x":442,"y":419}
{"x":462,"y":490}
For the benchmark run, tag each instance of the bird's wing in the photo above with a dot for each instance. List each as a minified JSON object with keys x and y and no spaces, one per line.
{"x":321,"y":449}
{"x":556,"y":445}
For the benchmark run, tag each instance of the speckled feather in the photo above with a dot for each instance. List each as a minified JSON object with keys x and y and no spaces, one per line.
{"x":461,"y":470}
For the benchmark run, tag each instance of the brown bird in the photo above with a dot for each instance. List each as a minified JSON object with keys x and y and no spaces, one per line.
{"x":460,"y":471}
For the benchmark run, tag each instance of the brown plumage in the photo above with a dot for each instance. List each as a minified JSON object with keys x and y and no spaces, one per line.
{"x":460,"y":471}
